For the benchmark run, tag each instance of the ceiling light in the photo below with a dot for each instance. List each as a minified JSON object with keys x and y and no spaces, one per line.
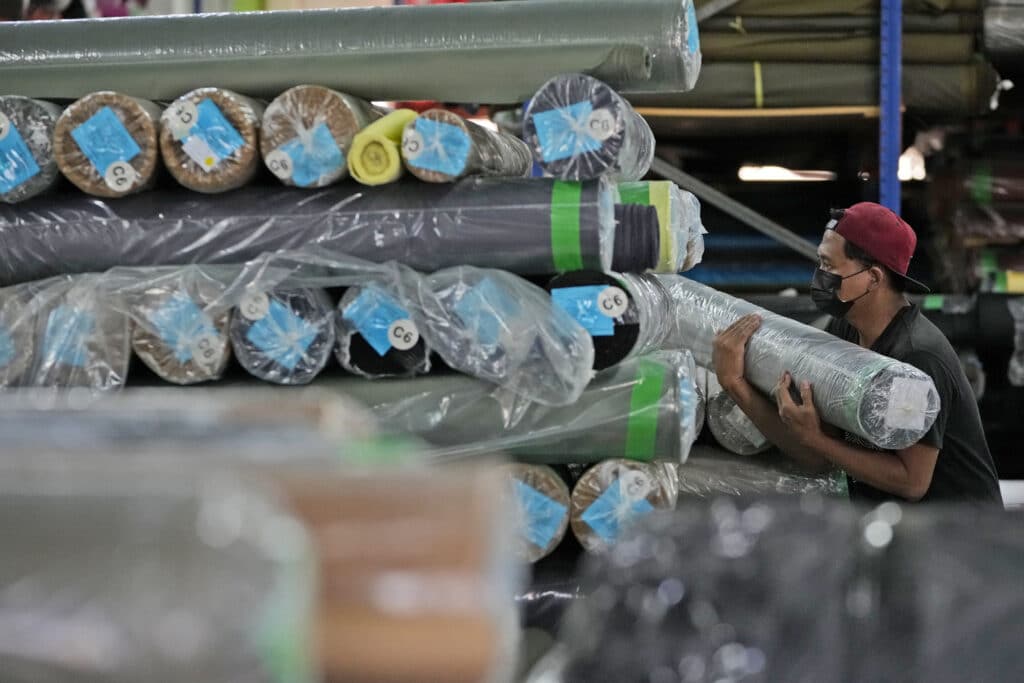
{"x":769,"y":174}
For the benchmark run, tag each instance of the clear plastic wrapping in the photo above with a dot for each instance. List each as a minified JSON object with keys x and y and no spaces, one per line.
{"x":307,"y":133}
{"x":731,"y":427}
{"x":1015,"y":371}
{"x":528,"y":226}
{"x":1001,"y":221}
{"x":449,"y":53}
{"x":615,"y":494}
{"x":579,"y":128}
{"x":377,"y":337}
{"x":642,"y":409}
{"x":888,"y":403}
{"x":27,"y":163}
{"x":995,"y":181}
{"x":1003,"y":30}
{"x":107,"y":144}
{"x":710,"y":473}
{"x":210,"y":139}
{"x":541,"y":502}
{"x":681,"y":230}
{"x":441,"y":147}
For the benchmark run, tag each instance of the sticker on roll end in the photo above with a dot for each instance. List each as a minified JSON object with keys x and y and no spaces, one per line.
{"x":120,"y":176}
{"x":255,"y":306}
{"x":280,"y":164}
{"x":601,"y":124}
{"x":207,"y":350}
{"x":613,"y":302}
{"x":403,"y":334}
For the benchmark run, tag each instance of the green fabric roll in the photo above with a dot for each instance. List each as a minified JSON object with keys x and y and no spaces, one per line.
{"x":960,"y":90}
{"x":838,"y":47}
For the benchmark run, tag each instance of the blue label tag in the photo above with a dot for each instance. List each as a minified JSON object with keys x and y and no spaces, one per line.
{"x":6,"y":348}
{"x":16,"y":161}
{"x":542,"y":515}
{"x":282,"y":336}
{"x":609,"y":513}
{"x":692,"y":34}
{"x":216,"y":131}
{"x":485,"y":310}
{"x":372,"y":313}
{"x":104,"y":140}
{"x":181,"y":324}
{"x":445,"y":147}
{"x":320,"y":157}
{"x":67,"y":333}
{"x":582,"y":304}
{"x":562,"y":133}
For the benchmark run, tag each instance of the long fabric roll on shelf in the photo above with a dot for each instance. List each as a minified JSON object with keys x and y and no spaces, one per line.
{"x":642,"y":409}
{"x":441,"y":147}
{"x":815,"y":8}
{"x":17,"y":339}
{"x":526,"y":226}
{"x":710,"y":473}
{"x":209,"y":139}
{"x":307,"y":132}
{"x":375,"y":157}
{"x":1003,"y":27}
{"x":541,"y":501}
{"x":680,"y":228}
{"x":27,"y":163}
{"x":377,"y":337}
{"x":579,"y":129}
{"x":637,"y":238}
{"x":995,"y":181}
{"x":107,"y":144}
{"x":614,"y":494}
{"x":954,"y":22}
{"x":447,"y":53}
{"x":730,"y":426}
{"x":834,"y":47}
{"x":284,"y":336}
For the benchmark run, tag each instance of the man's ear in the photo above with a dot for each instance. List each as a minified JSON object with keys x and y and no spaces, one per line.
{"x":877,"y":275}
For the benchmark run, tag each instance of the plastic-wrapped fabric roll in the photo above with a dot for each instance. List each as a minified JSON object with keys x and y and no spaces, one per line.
{"x":284,"y":336}
{"x":732,"y":429}
{"x":680,"y":227}
{"x":579,"y":128}
{"x":17,"y":326}
{"x":888,"y":403}
{"x":949,"y":22}
{"x":441,"y":147}
{"x":541,"y":501}
{"x":27,"y":163}
{"x":377,"y":337}
{"x":1003,"y":221}
{"x":614,"y":494}
{"x":835,"y":47}
{"x":307,"y":134}
{"x":814,"y":8}
{"x":989,"y":182}
{"x":637,"y":238}
{"x":642,"y":409}
{"x":209,"y":139}
{"x":710,"y":473}
{"x":701,"y":385}
{"x":1003,"y":27}
{"x":527,"y":226}
{"x":450,"y":53}
{"x":1015,"y":369}
{"x":177,"y":332}
{"x":376,"y":157}
{"x":107,"y":144}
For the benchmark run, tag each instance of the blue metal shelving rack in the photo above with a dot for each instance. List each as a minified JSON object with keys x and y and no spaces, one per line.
{"x":890,"y":128}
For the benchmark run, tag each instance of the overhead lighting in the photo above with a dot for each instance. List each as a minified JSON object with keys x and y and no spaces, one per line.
{"x":769,"y":174}
{"x":912,"y":165}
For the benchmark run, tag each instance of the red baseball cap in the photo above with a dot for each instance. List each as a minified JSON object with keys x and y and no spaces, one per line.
{"x":883,"y":235}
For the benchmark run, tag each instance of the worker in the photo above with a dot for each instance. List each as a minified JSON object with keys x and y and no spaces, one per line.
{"x":861,"y":282}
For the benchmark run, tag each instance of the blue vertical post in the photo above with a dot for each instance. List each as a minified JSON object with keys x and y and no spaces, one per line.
{"x":890,"y":124}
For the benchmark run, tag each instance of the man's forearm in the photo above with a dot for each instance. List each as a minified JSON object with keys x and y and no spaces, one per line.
{"x":880,"y":469}
{"x":765,"y":416}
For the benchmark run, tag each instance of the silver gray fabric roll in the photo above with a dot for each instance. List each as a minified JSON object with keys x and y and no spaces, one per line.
{"x":732,"y":429}
{"x":27,"y":163}
{"x":1004,"y":33}
{"x":498,"y":52}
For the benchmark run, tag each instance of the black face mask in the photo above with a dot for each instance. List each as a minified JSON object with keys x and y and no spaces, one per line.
{"x":825,"y":293}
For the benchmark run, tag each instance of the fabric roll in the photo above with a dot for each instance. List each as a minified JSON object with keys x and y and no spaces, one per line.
{"x":526,"y":226}
{"x":1002,"y":221}
{"x":541,"y":502}
{"x":307,"y":134}
{"x":731,"y":427}
{"x":17,"y":326}
{"x":209,"y":139}
{"x":881,"y":400}
{"x":711,"y":473}
{"x":107,"y":144}
{"x":680,"y":229}
{"x":834,"y":47}
{"x":27,"y":164}
{"x":813,"y":8}
{"x":701,"y":385}
{"x":1003,"y":27}
{"x":451,"y":53}
{"x":948,"y":22}
{"x":377,"y":337}
{"x":951,"y":90}
{"x":579,"y":128}
{"x":995,"y":182}
{"x":376,"y":157}
{"x":615,"y":494}
{"x":284,"y":337}
{"x":441,"y":147}
{"x":642,"y":409}
{"x":80,"y":341}
{"x":637,"y":238}
{"x":178,"y":334}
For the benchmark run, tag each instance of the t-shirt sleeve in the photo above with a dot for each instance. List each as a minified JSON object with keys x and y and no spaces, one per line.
{"x":840,"y":328}
{"x":933,"y":366}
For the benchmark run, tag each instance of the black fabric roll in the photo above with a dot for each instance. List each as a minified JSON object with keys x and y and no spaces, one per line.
{"x":637,"y":238}
{"x":582,"y":294}
{"x":27,"y":163}
{"x":284,"y":337}
{"x":376,"y":336}
{"x":527,"y":226}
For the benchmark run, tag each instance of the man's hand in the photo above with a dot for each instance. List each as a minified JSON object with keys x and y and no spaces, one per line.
{"x":802,"y":419}
{"x":729,"y":348}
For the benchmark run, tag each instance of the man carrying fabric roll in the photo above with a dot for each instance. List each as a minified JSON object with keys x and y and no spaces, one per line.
{"x":861,"y":281}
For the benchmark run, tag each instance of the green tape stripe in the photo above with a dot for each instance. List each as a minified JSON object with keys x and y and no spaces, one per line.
{"x":642,"y":430}
{"x":565,"y":226}
{"x":638,"y":193}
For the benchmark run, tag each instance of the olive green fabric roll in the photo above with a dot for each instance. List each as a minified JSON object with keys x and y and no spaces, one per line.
{"x":856,"y":47}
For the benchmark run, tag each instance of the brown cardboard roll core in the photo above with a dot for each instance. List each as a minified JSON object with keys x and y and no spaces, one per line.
{"x":541,"y":500}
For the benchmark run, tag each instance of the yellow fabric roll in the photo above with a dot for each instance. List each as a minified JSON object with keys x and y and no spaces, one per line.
{"x":375,"y":157}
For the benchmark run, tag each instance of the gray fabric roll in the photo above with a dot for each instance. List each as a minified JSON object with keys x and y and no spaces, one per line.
{"x":17,"y":339}
{"x":1004,"y":33}
{"x":912,"y":23}
{"x":525,"y":226}
{"x":27,"y":163}
{"x":497,"y":52}
{"x":711,"y":472}
{"x":732,"y":429}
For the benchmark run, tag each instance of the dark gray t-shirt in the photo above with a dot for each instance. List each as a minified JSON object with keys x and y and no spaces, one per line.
{"x":965,"y":470}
